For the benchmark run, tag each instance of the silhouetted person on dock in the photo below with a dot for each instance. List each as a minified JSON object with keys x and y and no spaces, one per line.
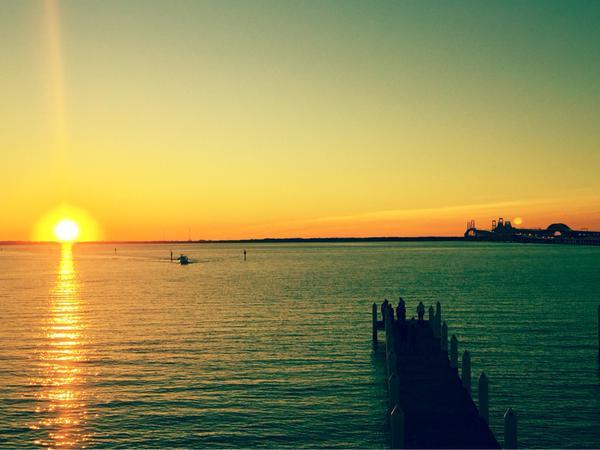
{"x":244,"y":254}
{"x":401,"y":311}
{"x":384,"y":308}
{"x":421,"y":311}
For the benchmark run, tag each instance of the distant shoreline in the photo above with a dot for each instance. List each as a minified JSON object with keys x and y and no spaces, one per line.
{"x":264,"y":240}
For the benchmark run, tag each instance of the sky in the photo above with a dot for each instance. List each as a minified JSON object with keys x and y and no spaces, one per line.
{"x":250,"y":119}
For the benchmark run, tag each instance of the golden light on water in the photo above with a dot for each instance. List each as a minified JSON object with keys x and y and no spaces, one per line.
{"x":62,"y":409}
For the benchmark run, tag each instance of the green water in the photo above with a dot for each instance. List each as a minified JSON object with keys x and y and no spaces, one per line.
{"x":99,"y":349}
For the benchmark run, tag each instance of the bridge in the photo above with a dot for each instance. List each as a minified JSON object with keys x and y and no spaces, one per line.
{"x":556,"y":233}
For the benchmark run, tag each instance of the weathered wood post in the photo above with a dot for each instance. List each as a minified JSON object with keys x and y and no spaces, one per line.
{"x":430,"y":316}
{"x":454,"y":352}
{"x":374,"y":323}
{"x":392,"y":355}
{"x":484,"y":399}
{"x":389,"y":315}
{"x":444,"y":338}
{"x":393,"y":391}
{"x":437,"y":322}
{"x":466,"y":371}
{"x":393,"y":363}
{"x":397,"y":427}
{"x":510,"y":429}
{"x":387,"y":327}
{"x":389,"y":336}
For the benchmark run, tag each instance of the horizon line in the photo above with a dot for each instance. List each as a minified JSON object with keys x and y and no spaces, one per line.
{"x":248,"y":240}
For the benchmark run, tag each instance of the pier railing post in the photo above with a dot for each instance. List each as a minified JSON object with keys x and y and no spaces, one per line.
{"x":484,"y":399}
{"x":444,"y":338}
{"x":374,"y":323}
{"x":397,"y":427}
{"x":510,"y":429}
{"x":393,"y":391}
{"x":393,"y":363}
{"x":466,"y":371}
{"x":454,"y":352}
{"x":437,"y":322}
{"x":386,"y":327}
{"x":389,"y":336}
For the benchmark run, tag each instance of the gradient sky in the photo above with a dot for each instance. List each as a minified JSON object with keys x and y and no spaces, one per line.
{"x":241,"y":119}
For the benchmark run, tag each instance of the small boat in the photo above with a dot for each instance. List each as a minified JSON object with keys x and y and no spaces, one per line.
{"x":183,"y":260}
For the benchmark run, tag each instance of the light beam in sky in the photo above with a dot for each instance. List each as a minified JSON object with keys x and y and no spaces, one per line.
{"x":56,"y":81}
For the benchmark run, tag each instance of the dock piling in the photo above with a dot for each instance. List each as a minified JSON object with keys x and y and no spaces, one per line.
{"x":454,"y":352}
{"x":394,"y":391}
{"x":444,"y":338}
{"x":510,"y":429}
{"x":387,"y":327}
{"x":484,"y":399}
{"x":393,"y":363}
{"x":374,"y":323}
{"x":437,"y":322}
{"x":466,"y":371}
{"x":397,"y":427}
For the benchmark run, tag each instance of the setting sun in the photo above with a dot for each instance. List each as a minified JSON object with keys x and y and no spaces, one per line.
{"x":66,"y":230}
{"x":66,"y":223}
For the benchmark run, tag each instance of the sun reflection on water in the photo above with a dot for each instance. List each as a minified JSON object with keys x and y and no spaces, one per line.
{"x":61,"y":407}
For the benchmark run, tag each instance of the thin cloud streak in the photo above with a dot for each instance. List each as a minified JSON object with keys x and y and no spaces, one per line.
{"x":447,"y":220}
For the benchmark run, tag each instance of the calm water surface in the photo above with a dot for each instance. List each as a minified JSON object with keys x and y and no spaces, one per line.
{"x":128,"y":349}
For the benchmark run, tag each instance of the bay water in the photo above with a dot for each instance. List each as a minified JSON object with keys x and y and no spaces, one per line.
{"x":127,"y":349}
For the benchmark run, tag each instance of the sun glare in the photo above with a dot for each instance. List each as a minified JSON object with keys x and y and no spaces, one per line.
{"x":66,"y":230}
{"x":66,"y":223}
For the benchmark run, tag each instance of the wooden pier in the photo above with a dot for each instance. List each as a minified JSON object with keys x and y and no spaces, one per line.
{"x":429,"y":405}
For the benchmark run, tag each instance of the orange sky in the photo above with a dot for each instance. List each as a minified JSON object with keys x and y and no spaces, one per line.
{"x":151,"y":120}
